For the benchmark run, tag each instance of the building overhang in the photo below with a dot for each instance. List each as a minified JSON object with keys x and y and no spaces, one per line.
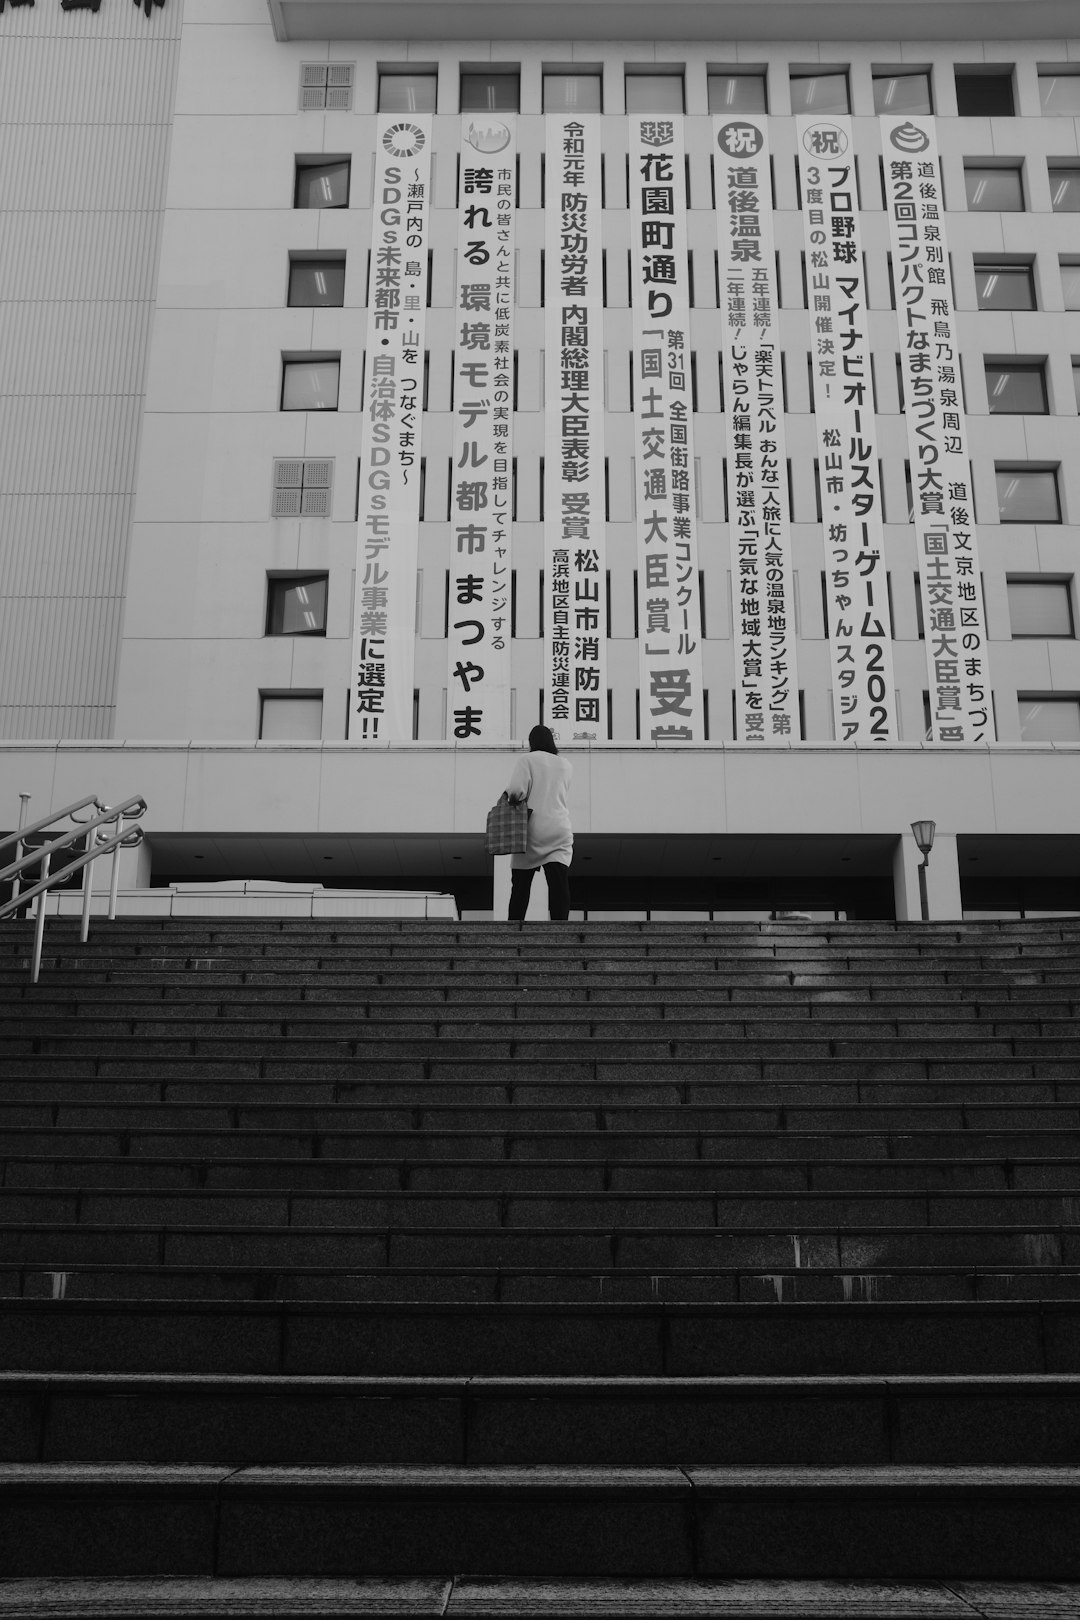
{"x":719,"y":20}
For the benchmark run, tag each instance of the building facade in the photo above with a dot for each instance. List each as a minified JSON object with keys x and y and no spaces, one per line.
{"x":713,"y":399}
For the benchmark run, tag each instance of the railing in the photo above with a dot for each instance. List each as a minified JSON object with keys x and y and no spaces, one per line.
{"x":95,"y":840}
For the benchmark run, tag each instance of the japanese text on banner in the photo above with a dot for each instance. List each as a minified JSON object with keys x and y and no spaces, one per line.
{"x":856,"y":593}
{"x":575,"y":682}
{"x":669,"y":607}
{"x":766,"y":677}
{"x":384,"y":608}
{"x":950,"y":583}
{"x":478,"y":671}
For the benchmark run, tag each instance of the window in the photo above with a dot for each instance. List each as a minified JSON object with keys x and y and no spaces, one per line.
{"x":290,"y":716}
{"x":1004,"y":286}
{"x":819,"y":93}
{"x":736,"y":92}
{"x":296,"y":605}
{"x":1070,"y":283}
{"x":315,"y":282}
{"x":1059,"y":90}
{"x":411,"y":92}
{"x":654,"y":92}
{"x":1016,"y":387}
{"x":311,"y":383}
{"x":322,"y":183}
{"x":900,"y":90}
{"x":1027,"y":495}
{"x":984,"y":95}
{"x":490,"y":91}
{"x":1064,"y":189}
{"x":1076,"y":382}
{"x":573,"y":92}
{"x":326,"y":85}
{"x":302,"y":488}
{"x":1040,"y":607}
{"x":997,"y":190}
{"x":1049,"y":718}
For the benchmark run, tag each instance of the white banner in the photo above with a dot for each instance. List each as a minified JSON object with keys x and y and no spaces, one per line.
{"x":856,"y":593}
{"x":384,"y":607}
{"x":575,"y":645}
{"x":953,"y":618}
{"x":766,"y":678}
{"x":478,"y":670}
{"x":669,"y":608}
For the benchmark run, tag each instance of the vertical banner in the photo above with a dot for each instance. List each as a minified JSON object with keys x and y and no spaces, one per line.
{"x":384,"y":607}
{"x":956,"y":644}
{"x":766,"y":677}
{"x":856,"y":593}
{"x":575,"y":657}
{"x":669,"y":608}
{"x":481,"y":474}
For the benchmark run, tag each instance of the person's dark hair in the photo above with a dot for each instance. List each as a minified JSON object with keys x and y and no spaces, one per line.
{"x":541,"y":741}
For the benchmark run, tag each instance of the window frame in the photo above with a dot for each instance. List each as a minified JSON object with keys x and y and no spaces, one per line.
{"x":729,"y":73}
{"x":427,"y":71}
{"x":884,"y":74}
{"x":1010,"y":270}
{"x":594,"y":73}
{"x":298,"y":695}
{"x":1056,"y":167}
{"x":799,"y":75}
{"x":1040,"y":698}
{"x":1065,"y":583}
{"x":1069,"y":261}
{"x":301,"y":258}
{"x":975,"y":167}
{"x":490,"y":72}
{"x":964,"y":72}
{"x":1022,"y":469}
{"x":654,"y":71}
{"x":1053,"y":73}
{"x":281,"y":581}
{"x":292,"y":359}
{"x":329,"y":160}
{"x":1016,"y":367}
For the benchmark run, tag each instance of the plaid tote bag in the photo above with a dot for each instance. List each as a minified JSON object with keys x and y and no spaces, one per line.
{"x":507,"y":827}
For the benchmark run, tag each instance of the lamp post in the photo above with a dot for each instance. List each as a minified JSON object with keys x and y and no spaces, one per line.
{"x":923,"y":833}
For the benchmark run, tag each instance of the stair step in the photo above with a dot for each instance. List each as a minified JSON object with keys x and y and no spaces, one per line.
{"x":899,"y":1522}
{"x":383,"y":1422}
{"x":465,"y":1598}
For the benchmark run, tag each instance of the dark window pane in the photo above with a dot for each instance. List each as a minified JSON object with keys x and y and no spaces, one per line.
{"x":407,"y":92}
{"x":1027,"y":495}
{"x":994,"y":190}
{"x":984,"y":95}
{"x":906,"y":93}
{"x":1040,"y":607}
{"x":736,"y":92}
{"x":820,"y":93}
{"x":297,"y":607}
{"x":1049,"y":719}
{"x":573,"y":92}
{"x":322,"y":185}
{"x":654,"y":92}
{"x":1004,"y":286}
{"x":316,"y":281}
{"x":489,"y":92}
{"x":1065,"y":191}
{"x":1015,"y":389}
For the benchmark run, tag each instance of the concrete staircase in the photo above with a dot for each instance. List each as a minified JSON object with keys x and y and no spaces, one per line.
{"x":373,"y":1268}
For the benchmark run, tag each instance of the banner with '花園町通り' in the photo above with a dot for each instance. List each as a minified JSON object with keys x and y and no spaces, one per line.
{"x":575,"y":634}
{"x":941,"y":493}
{"x":481,"y":471}
{"x":856,"y":592}
{"x":672,"y":700}
{"x":384,"y":605}
{"x":766,"y":679}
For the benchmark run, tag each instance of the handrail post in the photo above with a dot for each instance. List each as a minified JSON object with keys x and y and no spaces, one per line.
{"x":114,"y":882}
{"x":39,"y":922}
{"x":87,"y":891}
{"x":24,"y":804}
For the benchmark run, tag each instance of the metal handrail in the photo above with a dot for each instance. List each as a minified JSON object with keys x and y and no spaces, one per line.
{"x":97,"y":844}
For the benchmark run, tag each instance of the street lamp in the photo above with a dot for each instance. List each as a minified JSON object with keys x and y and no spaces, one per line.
{"x":923,"y":833}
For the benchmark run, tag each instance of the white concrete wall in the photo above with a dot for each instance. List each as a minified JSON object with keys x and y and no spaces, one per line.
{"x":85,"y":117}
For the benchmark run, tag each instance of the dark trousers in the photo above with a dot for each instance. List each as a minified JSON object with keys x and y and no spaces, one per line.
{"x":558,"y":882}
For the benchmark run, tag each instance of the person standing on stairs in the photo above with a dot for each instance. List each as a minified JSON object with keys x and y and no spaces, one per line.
{"x":542,"y":778}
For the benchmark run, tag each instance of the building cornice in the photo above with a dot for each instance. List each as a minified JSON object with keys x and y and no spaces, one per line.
{"x":719,"y":20}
